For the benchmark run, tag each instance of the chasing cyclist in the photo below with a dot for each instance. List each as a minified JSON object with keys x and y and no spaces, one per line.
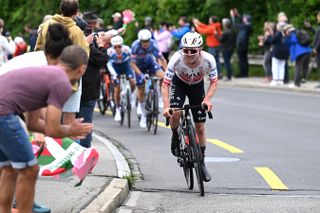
{"x":142,"y":62}
{"x":186,"y":70}
{"x":119,"y":63}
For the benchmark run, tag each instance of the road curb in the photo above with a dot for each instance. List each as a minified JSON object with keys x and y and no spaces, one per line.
{"x":110,"y":199}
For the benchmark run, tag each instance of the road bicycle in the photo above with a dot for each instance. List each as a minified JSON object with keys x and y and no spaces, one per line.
{"x":189,"y":153}
{"x":152,"y":103}
{"x":125,"y":100}
{"x":105,"y":100}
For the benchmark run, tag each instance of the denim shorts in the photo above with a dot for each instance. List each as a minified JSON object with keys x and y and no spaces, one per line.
{"x":73,"y":103}
{"x":15,"y":147}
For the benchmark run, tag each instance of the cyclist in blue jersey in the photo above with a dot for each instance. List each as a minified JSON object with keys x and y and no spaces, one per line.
{"x":144,"y":51}
{"x":119,"y":63}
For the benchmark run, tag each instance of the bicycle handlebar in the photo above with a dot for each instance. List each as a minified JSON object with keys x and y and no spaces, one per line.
{"x":187,"y":106}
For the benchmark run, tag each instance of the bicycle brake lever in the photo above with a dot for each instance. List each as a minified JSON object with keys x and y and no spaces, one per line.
{"x":205,"y":107}
{"x":168,"y":118}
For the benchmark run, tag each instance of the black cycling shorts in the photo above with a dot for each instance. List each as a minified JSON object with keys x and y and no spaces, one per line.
{"x":195,"y":94}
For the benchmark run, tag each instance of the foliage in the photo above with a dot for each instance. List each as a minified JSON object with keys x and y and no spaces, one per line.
{"x":18,"y":13}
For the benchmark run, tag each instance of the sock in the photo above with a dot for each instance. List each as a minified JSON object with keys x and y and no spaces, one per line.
{"x":203,"y":150}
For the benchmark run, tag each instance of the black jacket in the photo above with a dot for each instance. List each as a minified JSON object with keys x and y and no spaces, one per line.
{"x":279,"y":50}
{"x":98,"y":59}
{"x":228,"y":40}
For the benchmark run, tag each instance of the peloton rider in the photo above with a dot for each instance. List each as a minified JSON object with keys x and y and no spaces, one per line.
{"x":143,"y":52}
{"x":119,"y":63}
{"x":186,"y":70}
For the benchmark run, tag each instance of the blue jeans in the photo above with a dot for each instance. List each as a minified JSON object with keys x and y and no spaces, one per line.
{"x":227,"y":58}
{"x":216,"y":52}
{"x":15,"y":147}
{"x":86,"y":112}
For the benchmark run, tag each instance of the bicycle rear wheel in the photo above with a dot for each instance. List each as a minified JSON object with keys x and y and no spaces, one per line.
{"x":195,"y":150}
{"x":122,"y":113}
{"x":155,"y":112}
{"x":149,"y":110}
{"x":101,"y":102}
{"x":128,"y":106}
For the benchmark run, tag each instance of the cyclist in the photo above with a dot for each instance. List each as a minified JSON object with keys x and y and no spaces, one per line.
{"x":144,"y":49}
{"x":185,"y":73}
{"x":119,"y":63}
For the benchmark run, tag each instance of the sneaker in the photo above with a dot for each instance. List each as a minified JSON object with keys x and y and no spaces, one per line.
{"x":292,"y":86}
{"x":143,"y":121}
{"x":273,"y":83}
{"x":280,"y":83}
{"x":117,"y":116}
{"x":175,"y":145}
{"x":303,"y":81}
{"x":36,"y":208}
{"x":205,"y":173}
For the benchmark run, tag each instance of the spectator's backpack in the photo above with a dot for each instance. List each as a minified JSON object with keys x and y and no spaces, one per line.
{"x":303,"y":37}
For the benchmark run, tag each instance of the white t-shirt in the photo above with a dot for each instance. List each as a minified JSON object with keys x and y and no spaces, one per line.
{"x":31,"y":59}
{"x":5,"y":49}
{"x":189,"y":75}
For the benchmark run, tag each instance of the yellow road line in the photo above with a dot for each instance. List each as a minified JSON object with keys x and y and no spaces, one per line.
{"x":271,"y":178}
{"x":163,"y":125}
{"x":108,"y":112}
{"x":225,"y":146}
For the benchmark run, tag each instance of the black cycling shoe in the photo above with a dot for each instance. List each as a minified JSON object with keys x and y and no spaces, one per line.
{"x":205,"y":173}
{"x":175,"y":145}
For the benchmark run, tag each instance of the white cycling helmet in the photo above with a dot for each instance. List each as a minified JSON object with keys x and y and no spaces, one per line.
{"x":191,"y":40}
{"x":144,"y":35}
{"x":116,"y":40}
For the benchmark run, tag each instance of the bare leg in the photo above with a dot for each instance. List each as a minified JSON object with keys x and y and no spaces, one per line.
{"x":26,"y":186}
{"x":141,"y":93}
{"x":132,"y":84}
{"x":201,"y":134}
{"x":174,"y":120}
{"x":8,"y":177}
{"x":117,"y":95}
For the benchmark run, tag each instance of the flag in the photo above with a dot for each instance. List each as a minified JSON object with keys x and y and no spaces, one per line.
{"x":64,"y":157}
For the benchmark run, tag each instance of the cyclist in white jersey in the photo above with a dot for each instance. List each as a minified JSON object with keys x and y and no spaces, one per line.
{"x":185,"y":73}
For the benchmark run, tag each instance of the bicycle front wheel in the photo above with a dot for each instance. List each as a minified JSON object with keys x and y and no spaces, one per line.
{"x":195,"y":150}
{"x":128,"y":99}
{"x":149,"y":110}
{"x":186,"y":162}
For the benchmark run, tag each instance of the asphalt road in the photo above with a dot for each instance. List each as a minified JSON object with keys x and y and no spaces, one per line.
{"x":272,"y":166}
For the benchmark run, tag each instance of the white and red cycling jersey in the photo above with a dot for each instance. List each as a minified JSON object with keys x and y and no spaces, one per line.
{"x":189,"y":75}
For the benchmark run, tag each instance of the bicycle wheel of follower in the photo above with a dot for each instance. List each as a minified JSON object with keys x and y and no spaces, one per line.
{"x":101,"y":102}
{"x":149,"y":110}
{"x":122,"y":113}
{"x":155,"y":112}
{"x":186,"y":160}
{"x":128,"y":107}
{"x":195,"y":151}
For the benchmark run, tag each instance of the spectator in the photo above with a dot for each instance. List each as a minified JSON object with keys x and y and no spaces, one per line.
{"x":117,"y":21}
{"x":316,"y":42}
{"x":298,"y":53}
{"x":228,"y":43}
{"x":283,"y":19}
{"x":212,"y":31}
{"x":244,"y":31}
{"x":100,"y":25}
{"x":265,"y":43}
{"x":183,"y":29}
{"x":7,"y":45}
{"x":280,"y":54}
{"x":18,"y":166}
{"x":32,"y":36}
{"x":164,"y":39}
{"x":69,"y":10}
{"x":91,"y":79}
{"x":21,"y":46}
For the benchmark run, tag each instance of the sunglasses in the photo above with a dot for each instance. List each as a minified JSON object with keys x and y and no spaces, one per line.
{"x":190,"y":51}
{"x":117,"y":47}
{"x":145,"y":41}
